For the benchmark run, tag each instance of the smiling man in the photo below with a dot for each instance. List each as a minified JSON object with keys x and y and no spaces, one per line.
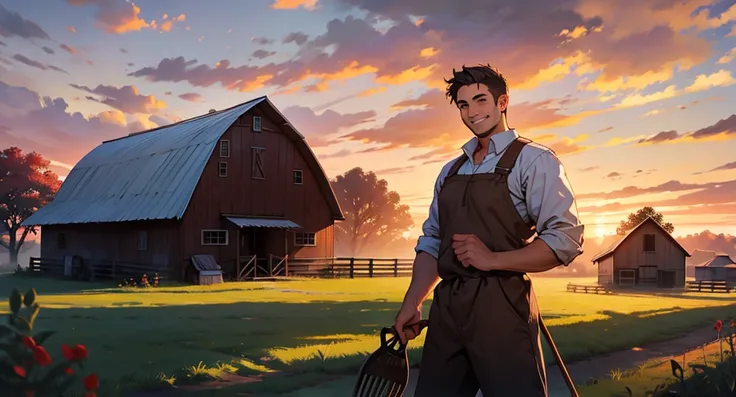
{"x":503,"y":209}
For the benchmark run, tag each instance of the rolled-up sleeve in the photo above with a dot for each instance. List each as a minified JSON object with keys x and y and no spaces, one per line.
{"x":551,"y":204}
{"x":429,"y":241}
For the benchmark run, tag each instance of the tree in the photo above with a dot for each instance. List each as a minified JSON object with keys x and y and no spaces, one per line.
{"x":374,"y":216}
{"x":640,"y":216}
{"x":26,"y":184}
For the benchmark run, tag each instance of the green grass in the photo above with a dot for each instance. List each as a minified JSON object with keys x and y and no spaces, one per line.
{"x":293,"y":334}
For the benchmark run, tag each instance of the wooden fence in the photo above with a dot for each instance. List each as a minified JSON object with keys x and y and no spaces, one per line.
{"x":105,"y":270}
{"x":349,"y":267}
{"x":709,"y":286}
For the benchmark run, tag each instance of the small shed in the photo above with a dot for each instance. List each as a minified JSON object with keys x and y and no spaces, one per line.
{"x":204,"y":270}
{"x":720,"y":268}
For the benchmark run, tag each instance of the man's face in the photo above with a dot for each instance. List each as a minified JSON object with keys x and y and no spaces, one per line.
{"x":477,"y":109}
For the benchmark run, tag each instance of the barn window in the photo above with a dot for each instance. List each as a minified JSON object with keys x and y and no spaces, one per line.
{"x":142,"y":240}
{"x":224,"y":148}
{"x":298,"y":177}
{"x":61,"y":241}
{"x":305,"y":239}
{"x":214,"y":237}
{"x":257,"y":123}
{"x":649,"y":242}
{"x":222,"y":169}
{"x":257,"y":168}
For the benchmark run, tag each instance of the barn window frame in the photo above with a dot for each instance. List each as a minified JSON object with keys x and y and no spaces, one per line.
{"x":222,"y":169}
{"x":258,"y":163}
{"x":305,"y":239}
{"x":143,"y":240}
{"x":208,"y":239}
{"x":298,"y":177}
{"x":225,"y":148}
{"x":257,"y":124}
{"x":649,"y":242}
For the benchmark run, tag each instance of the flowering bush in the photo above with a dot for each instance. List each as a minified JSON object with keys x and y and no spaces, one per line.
{"x":26,"y":368}
{"x":144,"y":283}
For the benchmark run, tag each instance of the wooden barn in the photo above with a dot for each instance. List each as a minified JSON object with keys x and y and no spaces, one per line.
{"x":240,"y":184}
{"x":719,"y":268}
{"x":698,"y":257}
{"x":646,"y":256}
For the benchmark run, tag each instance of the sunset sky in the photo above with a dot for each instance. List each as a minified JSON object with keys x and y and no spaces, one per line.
{"x":636,"y":96}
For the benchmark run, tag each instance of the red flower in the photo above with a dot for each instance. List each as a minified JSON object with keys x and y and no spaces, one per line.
{"x":81,"y":352}
{"x":74,"y":353}
{"x":69,"y":371}
{"x":91,"y":382}
{"x":68,"y":352}
{"x":28,"y":342}
{"x":41,"y":357}
{"x":718,"y":326}
{"x":20,"y":371}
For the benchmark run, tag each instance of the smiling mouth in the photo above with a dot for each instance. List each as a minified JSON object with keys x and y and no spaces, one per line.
{"x":479,"y":120}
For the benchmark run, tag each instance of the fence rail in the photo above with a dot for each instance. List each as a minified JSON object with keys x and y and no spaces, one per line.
{"x":341,"y":267}
{"x":118,"y":270}
{"x":709,"y":286}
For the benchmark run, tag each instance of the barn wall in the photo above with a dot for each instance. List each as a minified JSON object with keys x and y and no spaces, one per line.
{"x":96,"y":243}
{"x":667,"y":255}
{"x":605,"y":271}
{"x":274,"y":196}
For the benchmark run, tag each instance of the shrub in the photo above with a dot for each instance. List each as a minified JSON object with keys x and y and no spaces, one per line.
{"x":26,"y":368}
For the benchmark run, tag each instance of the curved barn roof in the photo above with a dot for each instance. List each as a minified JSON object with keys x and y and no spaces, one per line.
{"x":153,"y":174}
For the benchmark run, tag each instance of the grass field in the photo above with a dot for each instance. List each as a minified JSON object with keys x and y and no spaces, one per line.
{"x":312,"y":330}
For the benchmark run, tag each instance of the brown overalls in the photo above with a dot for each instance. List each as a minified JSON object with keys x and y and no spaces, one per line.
{"x":483,"y":326}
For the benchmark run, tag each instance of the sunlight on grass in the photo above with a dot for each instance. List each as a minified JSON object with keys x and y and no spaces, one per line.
{"x":313,"y":328}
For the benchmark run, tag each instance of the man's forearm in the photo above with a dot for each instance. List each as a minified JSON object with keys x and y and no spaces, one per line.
{"x":424,"y":277}
{"x":533,"y":258}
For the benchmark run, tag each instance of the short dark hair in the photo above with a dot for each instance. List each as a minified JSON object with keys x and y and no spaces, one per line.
{"x":481,"y":74}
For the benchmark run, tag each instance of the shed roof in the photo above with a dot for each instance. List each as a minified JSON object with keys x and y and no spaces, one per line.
{"x":153,"y":174}
{"x":612,"y":248}
{"x":720,"y":260}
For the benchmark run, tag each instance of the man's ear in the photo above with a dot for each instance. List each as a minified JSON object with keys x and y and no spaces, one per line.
{"x":503,"y":102}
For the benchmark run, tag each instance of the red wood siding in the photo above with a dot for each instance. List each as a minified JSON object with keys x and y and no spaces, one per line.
{"x":96,"y":243}
{"x":240,"y":194}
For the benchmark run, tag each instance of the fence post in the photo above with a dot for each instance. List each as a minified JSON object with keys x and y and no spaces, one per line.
{"x":352,"y":267}
{"x":396,"y":267}
{"x":370,"y":268}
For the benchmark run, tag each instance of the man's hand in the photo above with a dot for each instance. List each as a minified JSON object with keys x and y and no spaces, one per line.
{"x":473,"y":252}
{"x":408,"y":314}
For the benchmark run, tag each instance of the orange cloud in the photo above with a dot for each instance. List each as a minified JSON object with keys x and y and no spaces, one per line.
{"x":116,"y":17}
{"x":191,"y":97}
{"x":729,"y":56}
{"x":71,"y":29}
{"x":292,"y":4}
{"x":169,"y":23}
{"x":69,"y":49}
{"x":127,"y":98}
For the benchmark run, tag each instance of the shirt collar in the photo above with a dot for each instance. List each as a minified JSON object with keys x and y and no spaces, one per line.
{"x":499,"y":142}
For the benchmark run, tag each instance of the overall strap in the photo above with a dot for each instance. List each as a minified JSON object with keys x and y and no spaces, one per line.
{"x":456,"y":166}
{"x":508,"y":159}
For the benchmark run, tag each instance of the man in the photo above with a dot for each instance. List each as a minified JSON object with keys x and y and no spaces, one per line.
{"x":503,"y":209}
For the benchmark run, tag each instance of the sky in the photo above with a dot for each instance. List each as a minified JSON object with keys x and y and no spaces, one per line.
{"x":637,"y":97}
